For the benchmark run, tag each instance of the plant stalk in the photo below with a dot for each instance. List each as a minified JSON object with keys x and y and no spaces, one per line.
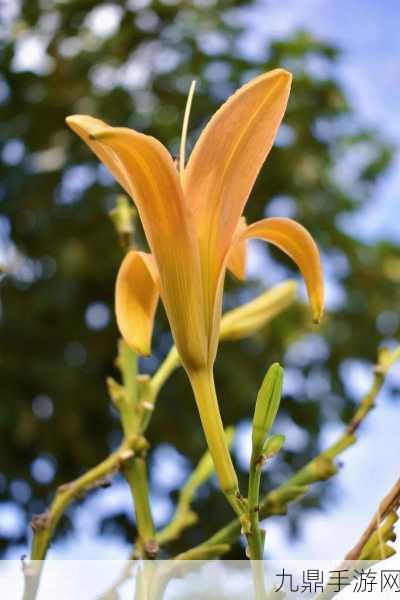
{"x":136,"y":474}
{"x":206,"y":399}
{"x":136,"y":470}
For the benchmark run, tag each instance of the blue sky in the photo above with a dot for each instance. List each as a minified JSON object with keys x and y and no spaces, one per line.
{"x":367,"y":32}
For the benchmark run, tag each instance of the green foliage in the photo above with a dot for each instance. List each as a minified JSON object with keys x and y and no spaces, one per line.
{"x":65,"y":252}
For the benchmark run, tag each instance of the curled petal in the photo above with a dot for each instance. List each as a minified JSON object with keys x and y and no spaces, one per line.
{"x":293,"y":239}
{"x":136,"y":297}
{"x":145,"y":169}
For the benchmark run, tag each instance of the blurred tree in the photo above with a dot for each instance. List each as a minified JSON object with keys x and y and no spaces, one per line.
{"x":130,"y":63}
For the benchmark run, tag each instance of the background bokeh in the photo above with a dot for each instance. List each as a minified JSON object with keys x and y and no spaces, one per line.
{"x":334,"y":167}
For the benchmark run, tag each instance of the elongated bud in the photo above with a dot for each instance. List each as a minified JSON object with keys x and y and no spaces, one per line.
{"x":267,"y":404}
{"x":249,"y":318}
{"x":272,"y":445}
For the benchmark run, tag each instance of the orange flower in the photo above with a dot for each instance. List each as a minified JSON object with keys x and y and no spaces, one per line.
{"x":195,"y":231}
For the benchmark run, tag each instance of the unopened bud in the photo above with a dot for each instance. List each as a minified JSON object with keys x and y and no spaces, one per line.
{"x":267,"y":404}
{"x":249,"y":318}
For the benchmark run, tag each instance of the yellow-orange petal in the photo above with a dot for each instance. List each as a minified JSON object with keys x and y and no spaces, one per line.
{"x":221,"y":172}
{"x":293,"y":239}
{"x":145,"y":169}
{"x":136,"y":297}
{"x":237,"y":257}
{"x":229,"y":154}
{"x":143,"y":166}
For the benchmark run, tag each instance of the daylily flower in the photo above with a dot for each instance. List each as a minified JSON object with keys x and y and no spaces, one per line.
{"x":195,"y":230}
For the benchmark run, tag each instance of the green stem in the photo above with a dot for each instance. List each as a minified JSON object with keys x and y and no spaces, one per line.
{"x":254,"y":536}
{"x":184,"y":516}
{"x":150,"y":388}
{"x":206,"y":398}
{"x":164,"y":371}
{"x":136,"y":470}
{"x":136,"y":474}
{"x":44,"y":524}
{"x":127,"y":400}
{"x":319,"y":468}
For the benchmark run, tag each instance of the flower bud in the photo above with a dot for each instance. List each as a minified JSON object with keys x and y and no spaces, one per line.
{"x":267,"y":404}
{"x":249,"y":318}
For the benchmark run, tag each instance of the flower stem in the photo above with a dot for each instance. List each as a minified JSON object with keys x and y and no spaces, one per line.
{"x":206,"y":398}
{"x":254,"y":535}
{"x":135,"y":472}
{"x":168,"y":366}
{"x":44,"y":525}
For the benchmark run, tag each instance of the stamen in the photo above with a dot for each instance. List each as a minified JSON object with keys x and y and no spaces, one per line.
{"x":182,"y":149}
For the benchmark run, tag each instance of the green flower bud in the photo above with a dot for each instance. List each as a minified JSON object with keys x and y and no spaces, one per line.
{"x":267,"y":404}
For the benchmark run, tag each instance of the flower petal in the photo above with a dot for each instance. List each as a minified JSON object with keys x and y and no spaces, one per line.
{"x":293,"y":239}
{"x":142,"y":165}
{"x":229,"y":154}
{"x":145,"y":169}
{"x":221,"y":173}
{"x":238,"y":253}
{"x":136,"y":297}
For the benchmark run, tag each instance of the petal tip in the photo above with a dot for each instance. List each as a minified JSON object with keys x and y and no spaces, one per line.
{"x":75,"y":120}
{"x":285,"y":76}
{"x":83,"y":124}
{"x":317,"y":314}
